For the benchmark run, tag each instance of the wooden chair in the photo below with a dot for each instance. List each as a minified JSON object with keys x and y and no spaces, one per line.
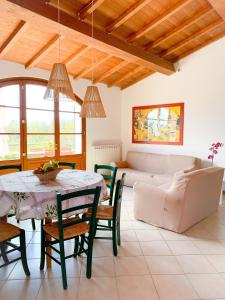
{"x":112,"y":214}
{"x":67,"y":164}
{"x":109,"y":179}
{"x":7,"y":233}
{"x":17,"y":167}
{"x":71,"y":228}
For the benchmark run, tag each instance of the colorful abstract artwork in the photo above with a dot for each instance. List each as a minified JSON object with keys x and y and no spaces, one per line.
{"x":158,"y":124}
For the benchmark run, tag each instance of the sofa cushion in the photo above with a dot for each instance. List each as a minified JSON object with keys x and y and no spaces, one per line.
{"x":133,"y":176}
{"x":162,"y":179}
{"x":147,"y":162}
{"x":176,"y":163}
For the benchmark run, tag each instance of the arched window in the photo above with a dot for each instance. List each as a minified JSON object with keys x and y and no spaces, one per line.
{"x":34,"y":130}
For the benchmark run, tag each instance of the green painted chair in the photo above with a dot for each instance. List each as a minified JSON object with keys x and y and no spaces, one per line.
{"x":7,"y":233}
{"x":109,"y":179}
{"x":80,"y":229}
{"x":67,"y":164}
{"x":111,"y":213}
{"x":17,"y":167}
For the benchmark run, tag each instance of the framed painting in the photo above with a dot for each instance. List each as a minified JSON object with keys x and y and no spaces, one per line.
{"x":158,"y":124}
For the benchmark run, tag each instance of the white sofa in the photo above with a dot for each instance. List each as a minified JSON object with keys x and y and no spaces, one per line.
{"x":190,"y":198}
{"x":156,"y":169}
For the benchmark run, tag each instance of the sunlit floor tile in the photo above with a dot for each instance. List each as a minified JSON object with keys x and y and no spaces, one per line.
{"x":210,"y":247}
{"x":5,"y":271}
{"x":73,"y":269}
{"x":163,"y":265}
{"x":20,"y":289}
{"x":101,"y":267}
{"x":195,"y":264}
{"x":145,"y":235}
{"x":136,"y":287}
{"x":174,"y":287}
{"x":183,"y":247}
{"x":52,"y":289}
{"x":155,"y":248}
{"x":35,"y":273}
{"x":135,"y":265}
{"x":218,"y":262}
{"x":99,"y":288}
{"x":208,"y":286}
{"x":129,"y":249}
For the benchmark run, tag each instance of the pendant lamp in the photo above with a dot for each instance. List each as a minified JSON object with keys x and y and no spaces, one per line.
{"x":59,"y":82}
{"x":92,"y":106}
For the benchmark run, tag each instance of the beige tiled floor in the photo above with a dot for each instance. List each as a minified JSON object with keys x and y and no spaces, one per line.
{"x":152,"y":263}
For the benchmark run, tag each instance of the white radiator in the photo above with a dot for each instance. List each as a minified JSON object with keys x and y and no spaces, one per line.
{"x":106,"y":153}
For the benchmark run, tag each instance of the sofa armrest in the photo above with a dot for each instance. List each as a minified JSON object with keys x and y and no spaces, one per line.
{"x":156,"y":193}
{"x":120,"y":164}
{"x":190,"y":169}
{"x":149,"y":189}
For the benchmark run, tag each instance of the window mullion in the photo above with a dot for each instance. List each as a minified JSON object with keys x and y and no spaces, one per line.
{"x":23,"y":124}
{"x":57,"y":129}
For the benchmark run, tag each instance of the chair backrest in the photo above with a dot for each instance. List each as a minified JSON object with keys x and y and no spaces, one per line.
{"x":109,"y":178}
{"x":92,"y":193}
{"x":67,"y":164}
{"x":17,"y":167}
{"x":118,"y":197}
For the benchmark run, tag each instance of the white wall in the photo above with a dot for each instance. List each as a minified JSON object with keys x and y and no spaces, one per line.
{"x":108,"y":129}
{"x":201,"y":86}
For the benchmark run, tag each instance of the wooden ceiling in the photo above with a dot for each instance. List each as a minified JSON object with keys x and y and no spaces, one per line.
{"x":132,"y":38}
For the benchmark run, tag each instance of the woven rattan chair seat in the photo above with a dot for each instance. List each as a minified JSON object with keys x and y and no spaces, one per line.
{"x":69,"y":232}
{"x":103,"y":212}
{"x":8,"y":231}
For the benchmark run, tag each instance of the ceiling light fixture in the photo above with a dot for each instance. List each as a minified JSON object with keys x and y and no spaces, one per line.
{"x":59,"y":82}
{"x":92,"y":106}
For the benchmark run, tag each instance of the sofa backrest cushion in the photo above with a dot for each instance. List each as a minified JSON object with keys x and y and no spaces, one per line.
{"x":160,"y":163}
{"x":147,"y":162}
{"x":176,"y":163}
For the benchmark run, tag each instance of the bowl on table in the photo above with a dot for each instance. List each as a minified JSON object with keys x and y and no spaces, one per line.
{"x":48,"y":176}
{"x":47,"y":171}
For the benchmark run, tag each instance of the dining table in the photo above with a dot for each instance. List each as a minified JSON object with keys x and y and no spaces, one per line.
{"x":24,"y":195}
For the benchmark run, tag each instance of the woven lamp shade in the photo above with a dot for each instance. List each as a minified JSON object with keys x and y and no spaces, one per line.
{"x":92,"y":106}
{"x":59,"y":83}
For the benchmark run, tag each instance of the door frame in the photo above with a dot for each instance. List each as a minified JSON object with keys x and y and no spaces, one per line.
{"x":39,"y":81}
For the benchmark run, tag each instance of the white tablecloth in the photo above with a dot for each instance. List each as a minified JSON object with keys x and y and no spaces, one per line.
{"x":23,"y":193}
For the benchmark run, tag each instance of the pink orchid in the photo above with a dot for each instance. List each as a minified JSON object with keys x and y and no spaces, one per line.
{"x":214,"y":150}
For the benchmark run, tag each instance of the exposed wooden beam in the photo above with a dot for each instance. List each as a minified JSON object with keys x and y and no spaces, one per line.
{"x":92,"y":67}
{"x":76,"y":55}
{"x":131,"y":82}
{"x":191,"y":38}
{"x":219,"y":6}
{"x":125,"y":76}
{"x":42,"y":53}
{"x":89,"y":8}
{"x":127,"y":14}
{"x":111,"y":71}
{"x":179,"y":28}
{"x":13,"y":38}
{"x":73,"y":27}
{"x":206,"y":43}
{"x":169,"y":12}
